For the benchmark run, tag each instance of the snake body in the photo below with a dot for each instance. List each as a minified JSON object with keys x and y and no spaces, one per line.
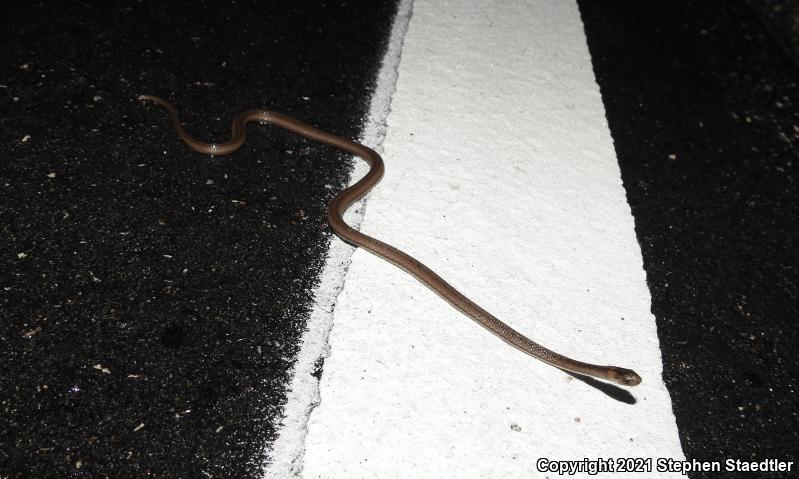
{"x":335,"y":216}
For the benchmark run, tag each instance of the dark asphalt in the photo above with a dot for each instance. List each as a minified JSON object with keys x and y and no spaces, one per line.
{"x":702,"y":106}
{"x":152,"y":299}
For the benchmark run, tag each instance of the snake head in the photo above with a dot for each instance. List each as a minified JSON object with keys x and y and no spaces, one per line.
{"x":625,"y":377}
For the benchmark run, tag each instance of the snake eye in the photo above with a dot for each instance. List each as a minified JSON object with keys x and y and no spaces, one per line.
{"x":625,"y":377}
{"x":632,"y":379}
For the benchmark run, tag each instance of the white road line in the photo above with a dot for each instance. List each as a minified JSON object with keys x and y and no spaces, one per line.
{"x":286,"y":454}
{"x":501,"y":176}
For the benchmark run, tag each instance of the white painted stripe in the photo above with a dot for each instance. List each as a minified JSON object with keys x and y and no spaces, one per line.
{"x":286,"y":454}
{"x":501,"y":176}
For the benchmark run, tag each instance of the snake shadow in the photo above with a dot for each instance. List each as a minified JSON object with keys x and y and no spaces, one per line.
{"x":611,"y":390}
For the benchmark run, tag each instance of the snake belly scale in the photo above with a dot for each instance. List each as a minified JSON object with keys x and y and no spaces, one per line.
{"x":335,"y":216}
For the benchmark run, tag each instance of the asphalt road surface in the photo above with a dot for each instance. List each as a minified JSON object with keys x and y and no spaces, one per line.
{"x":153,"y":300}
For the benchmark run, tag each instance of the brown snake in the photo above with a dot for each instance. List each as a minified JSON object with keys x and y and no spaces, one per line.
{"x":335,"y":216}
